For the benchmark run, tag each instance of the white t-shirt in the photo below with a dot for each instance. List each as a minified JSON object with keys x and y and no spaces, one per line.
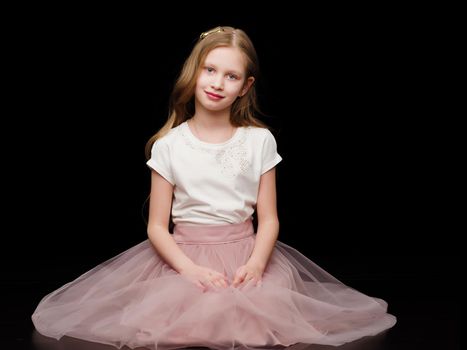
{"x":214,"y":184}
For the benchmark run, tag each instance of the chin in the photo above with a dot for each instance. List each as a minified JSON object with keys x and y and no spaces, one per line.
{"x":215,"y":107}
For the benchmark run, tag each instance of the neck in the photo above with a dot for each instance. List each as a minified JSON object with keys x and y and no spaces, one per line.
{"x":209,"y":129}
{"x":215,"y":119}
{"x":212,"y":120}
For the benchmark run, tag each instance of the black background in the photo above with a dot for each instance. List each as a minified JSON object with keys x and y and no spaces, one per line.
{"x":361,"y":188}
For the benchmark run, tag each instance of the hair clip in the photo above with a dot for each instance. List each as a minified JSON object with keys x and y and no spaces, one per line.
{"x":215,"y":30}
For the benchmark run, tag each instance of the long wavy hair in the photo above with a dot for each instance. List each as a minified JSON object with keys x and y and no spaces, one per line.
{"x":182,"y":106}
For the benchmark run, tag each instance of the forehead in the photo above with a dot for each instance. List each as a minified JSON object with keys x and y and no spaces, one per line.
{"x":228,"y":58}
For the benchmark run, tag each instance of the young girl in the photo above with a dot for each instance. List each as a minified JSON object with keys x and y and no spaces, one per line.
{"x":213,"y":281}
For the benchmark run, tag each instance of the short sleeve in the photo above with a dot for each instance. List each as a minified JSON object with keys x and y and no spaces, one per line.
{"x":270,"y":157}
{"x":160,"y":160}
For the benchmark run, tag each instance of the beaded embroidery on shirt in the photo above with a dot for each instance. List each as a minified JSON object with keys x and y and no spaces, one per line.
{"x":232,"y":158}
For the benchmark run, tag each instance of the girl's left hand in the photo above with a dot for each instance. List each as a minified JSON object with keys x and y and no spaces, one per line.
{"x":246,"y":273}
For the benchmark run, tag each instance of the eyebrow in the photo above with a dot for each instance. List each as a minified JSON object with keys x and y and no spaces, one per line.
{"x":229,"y":70}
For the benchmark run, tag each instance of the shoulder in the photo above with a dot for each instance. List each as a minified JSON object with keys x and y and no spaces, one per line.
{"x":265,"y":147}
{"x":260,"y":135}
{"x":168,"y":139}
{"x":259,"y":131}
{"x":166,"y":143}
{"x":172,"y":134}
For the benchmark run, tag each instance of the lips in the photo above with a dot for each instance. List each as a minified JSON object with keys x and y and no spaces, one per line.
{"x":213,"y":95}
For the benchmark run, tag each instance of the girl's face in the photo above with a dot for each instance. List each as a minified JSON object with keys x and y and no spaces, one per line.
{"x":222,"y":79}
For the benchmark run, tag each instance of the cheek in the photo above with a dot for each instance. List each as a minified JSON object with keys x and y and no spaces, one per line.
{"x":234,"y":89}
{"x":202,"y":80}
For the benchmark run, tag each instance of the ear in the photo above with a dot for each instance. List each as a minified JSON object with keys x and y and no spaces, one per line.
{"x":247,"y":86}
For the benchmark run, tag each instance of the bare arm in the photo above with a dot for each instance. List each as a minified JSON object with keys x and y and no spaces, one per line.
{"x":267,"y":232}
{"x":159,"y":214}
{"x":268,"y":222}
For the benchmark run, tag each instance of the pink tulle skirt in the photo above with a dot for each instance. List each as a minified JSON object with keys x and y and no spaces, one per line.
{"x":136,"y":299}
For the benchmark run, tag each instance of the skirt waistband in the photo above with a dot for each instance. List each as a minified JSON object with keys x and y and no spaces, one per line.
{"x":212,"y":234}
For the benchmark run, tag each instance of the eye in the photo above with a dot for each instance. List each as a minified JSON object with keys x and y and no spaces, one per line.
{"x":232,"y":77}
{"x":209,"y":69}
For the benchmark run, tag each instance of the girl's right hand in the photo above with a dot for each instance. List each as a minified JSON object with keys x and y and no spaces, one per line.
{"x":205,"y":277}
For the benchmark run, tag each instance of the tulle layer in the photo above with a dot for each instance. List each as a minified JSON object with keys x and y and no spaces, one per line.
{"x":136,"y":299}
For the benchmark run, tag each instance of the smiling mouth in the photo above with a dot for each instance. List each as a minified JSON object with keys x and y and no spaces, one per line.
{"x":214,"y":95}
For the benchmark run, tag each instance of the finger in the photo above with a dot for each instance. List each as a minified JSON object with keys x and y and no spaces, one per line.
{"x":240,"y":277}
{"x":221,"y":276}
{"x":200,"y":285}
{"x":221,"y":282}
{"x":240,"y":281}
{"x":248,"y":285}
{"x":218,"y":279}
{"x":248,"y":280}
{"x":237,"y":280}
{"x":212,"y":284}
{"x":216,"y":282}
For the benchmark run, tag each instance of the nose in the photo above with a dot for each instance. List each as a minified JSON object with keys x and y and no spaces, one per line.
{"x":217,"y":82}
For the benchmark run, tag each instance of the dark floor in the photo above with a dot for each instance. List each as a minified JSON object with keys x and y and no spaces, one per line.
{"x":428,"y":311}
{"x":42,"y":343}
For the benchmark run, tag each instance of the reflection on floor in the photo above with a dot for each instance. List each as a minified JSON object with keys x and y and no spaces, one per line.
{"x":40,"y":342}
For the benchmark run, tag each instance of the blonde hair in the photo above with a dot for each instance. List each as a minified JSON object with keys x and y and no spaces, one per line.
{"x":181,"y":105}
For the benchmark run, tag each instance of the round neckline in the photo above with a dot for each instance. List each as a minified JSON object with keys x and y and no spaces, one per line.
{"x":210,"y":144}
